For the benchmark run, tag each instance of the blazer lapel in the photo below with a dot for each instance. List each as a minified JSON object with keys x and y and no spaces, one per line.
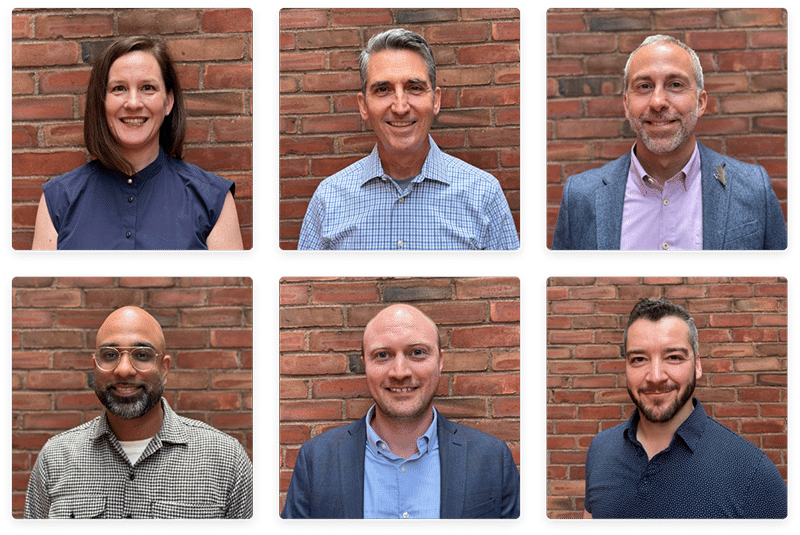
{"x":351,"y":469}
{"x":609,"y":201}
{"x":716,"y":198}
{"x":453,"y":469}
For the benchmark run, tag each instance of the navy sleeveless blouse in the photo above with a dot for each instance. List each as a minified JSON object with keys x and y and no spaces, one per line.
{"x":170,"y":204}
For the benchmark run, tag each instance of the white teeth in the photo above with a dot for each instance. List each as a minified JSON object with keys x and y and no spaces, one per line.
{"x":133,"y":121}
{"x":401,"y":389}
{"x":401,"y":123}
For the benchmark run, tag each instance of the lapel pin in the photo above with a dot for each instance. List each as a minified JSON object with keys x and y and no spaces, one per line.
{"x":719,"y":174}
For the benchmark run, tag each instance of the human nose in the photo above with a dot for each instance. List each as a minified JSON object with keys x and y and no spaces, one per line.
{"x":400,"y":102}
{"x":400,"y":368}
{"x":655,"y":372}
{"x":658,"y":99}
{"x":133,"y":99}
{"x":125,"y":365}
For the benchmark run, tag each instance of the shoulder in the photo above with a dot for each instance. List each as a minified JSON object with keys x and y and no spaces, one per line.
{"x":608,"y":438}
{"x":333,"y":437}
{"x":589,"y":181}
{"x":458,"y":168}
{"x":77,"y":178}
{"x":348,"y":178}
{"x":194,"y":174}
{"x":206,"y":435}
{"x":486,"y":442}
{"x":719,"y":440}
{"x":73,"y":440}
{"x":747,"y":176}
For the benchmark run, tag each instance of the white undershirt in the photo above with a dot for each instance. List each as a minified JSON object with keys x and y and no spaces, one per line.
{"x":134,"y":448}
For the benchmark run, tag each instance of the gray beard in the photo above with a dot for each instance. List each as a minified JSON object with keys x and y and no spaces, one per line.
{"x":129,"y":408}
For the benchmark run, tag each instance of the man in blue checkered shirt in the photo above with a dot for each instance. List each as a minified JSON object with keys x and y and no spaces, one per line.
{"x":407,"y":194}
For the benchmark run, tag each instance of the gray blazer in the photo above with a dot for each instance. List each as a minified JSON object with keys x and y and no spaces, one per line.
{"x":478,"y":476}
{"x":741,"y":214}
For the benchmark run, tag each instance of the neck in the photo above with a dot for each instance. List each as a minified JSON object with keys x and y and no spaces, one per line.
{"x":145,"y":426}
{"x":403,"y":164}
{"x":141,"y":158}
{"x":663,"y":166}
{"x":401,"y":434}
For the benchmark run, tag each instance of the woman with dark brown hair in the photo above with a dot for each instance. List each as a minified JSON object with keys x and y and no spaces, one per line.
{"x":137,"y":193}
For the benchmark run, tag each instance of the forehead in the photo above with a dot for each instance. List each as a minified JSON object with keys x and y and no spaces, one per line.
{"x":669,"y":331}
{"x":392,"y":65}
{"x":659,"y":60}
{"x":399,"y":326}
{"x":130,"y":328}
{"x":136,"y":63}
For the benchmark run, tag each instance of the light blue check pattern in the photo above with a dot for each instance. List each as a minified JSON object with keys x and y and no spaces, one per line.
{"x":450,"y":205}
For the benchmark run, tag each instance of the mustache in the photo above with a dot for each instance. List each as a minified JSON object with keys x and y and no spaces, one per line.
{"x":657,"y":389}
{"x":660,"y":117}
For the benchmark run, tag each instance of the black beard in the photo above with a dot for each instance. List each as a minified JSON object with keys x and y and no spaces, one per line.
{"x":130,"y":407}
{"x":671,"y":411}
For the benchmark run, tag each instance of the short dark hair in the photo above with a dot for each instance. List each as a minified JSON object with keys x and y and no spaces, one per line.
{"x":97,"y":135}
{"x":656,"y":309}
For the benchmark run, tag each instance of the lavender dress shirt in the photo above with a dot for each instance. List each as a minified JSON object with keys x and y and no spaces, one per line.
{"x":671,"y":219}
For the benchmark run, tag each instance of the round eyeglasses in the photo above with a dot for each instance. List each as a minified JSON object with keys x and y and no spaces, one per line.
{"x":142,"y":358}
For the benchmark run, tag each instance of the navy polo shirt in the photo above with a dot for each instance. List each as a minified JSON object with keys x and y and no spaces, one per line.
{"x":170,"y":204}
{"x":707,"y":471}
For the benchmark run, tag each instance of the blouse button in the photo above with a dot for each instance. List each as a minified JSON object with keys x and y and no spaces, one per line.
{"x":130,"y":199}
{"x":130,"y":181}
{"x":128,"y":234}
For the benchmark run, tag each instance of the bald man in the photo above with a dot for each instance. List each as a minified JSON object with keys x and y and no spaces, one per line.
{"x":403,"y":459}
{"x":138,"y":459}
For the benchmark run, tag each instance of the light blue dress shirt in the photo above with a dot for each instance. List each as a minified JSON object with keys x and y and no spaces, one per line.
{"x":402,"y":488}
{"x":450,"y":205}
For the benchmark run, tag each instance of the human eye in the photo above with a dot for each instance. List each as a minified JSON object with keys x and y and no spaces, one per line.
{"x":419,"y":353}
{"x":107,"y":354}
{"x":381,"y":355}
{"x":635,"y":359}
{"x":149,"y":87}
{"x":143,"y":354}
{"x":116,"y":89}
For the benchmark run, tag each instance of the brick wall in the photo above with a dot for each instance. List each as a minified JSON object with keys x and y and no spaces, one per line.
{"x":52,"y":52}
{"x":207,"y":324}
{"x":477,"y":56}
{"x":322,"y":383}
{"x":742,"y":331}
{"x":744,"y":60}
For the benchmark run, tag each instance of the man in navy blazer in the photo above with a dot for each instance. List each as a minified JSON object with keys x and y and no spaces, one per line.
{"x":663,"y":99}
{"x":342,"y":472}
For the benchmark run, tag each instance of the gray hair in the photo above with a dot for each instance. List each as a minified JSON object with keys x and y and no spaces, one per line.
{"x":397,"y":39}
{"x":696,"y":68}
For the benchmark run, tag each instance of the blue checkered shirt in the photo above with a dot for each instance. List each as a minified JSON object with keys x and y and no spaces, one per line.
{"x":450,"y":205}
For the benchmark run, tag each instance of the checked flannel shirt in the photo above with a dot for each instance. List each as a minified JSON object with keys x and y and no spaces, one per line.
{"x":188,"y":470}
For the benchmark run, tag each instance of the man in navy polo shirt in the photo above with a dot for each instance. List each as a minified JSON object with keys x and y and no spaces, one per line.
{"x":670,"y":460}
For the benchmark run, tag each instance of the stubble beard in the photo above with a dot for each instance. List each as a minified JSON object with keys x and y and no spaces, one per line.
{"x":664,"y":145}
{"x":667,"y":414}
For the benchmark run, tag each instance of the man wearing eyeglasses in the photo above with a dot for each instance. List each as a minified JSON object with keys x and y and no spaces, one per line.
{"x":138,"y":459}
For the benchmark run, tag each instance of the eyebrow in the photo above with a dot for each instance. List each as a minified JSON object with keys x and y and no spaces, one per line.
{"x":153,"y":81}
{"x":676,"y":349}
{"x":669,"y":76}
{"x":383,"y":83}
{"x":136,"y":344}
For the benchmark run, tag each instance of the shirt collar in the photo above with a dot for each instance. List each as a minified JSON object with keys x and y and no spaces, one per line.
{"x":689,"y":172}
{"x":690,"y":431}
{"x":171,"y":430}
{"x":425,"y":443}
{"x":434,"y":167}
